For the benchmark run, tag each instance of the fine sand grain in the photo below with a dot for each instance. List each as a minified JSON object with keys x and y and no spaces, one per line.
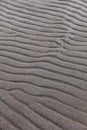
{"x":43,"y":65}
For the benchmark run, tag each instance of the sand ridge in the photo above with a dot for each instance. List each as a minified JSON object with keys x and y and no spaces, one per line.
{"x":43,"y":65}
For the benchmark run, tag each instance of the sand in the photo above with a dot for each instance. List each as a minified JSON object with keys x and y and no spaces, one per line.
{"x":43,"y":65}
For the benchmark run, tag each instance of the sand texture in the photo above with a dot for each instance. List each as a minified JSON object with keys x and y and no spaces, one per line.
{"x":43,"y":64}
